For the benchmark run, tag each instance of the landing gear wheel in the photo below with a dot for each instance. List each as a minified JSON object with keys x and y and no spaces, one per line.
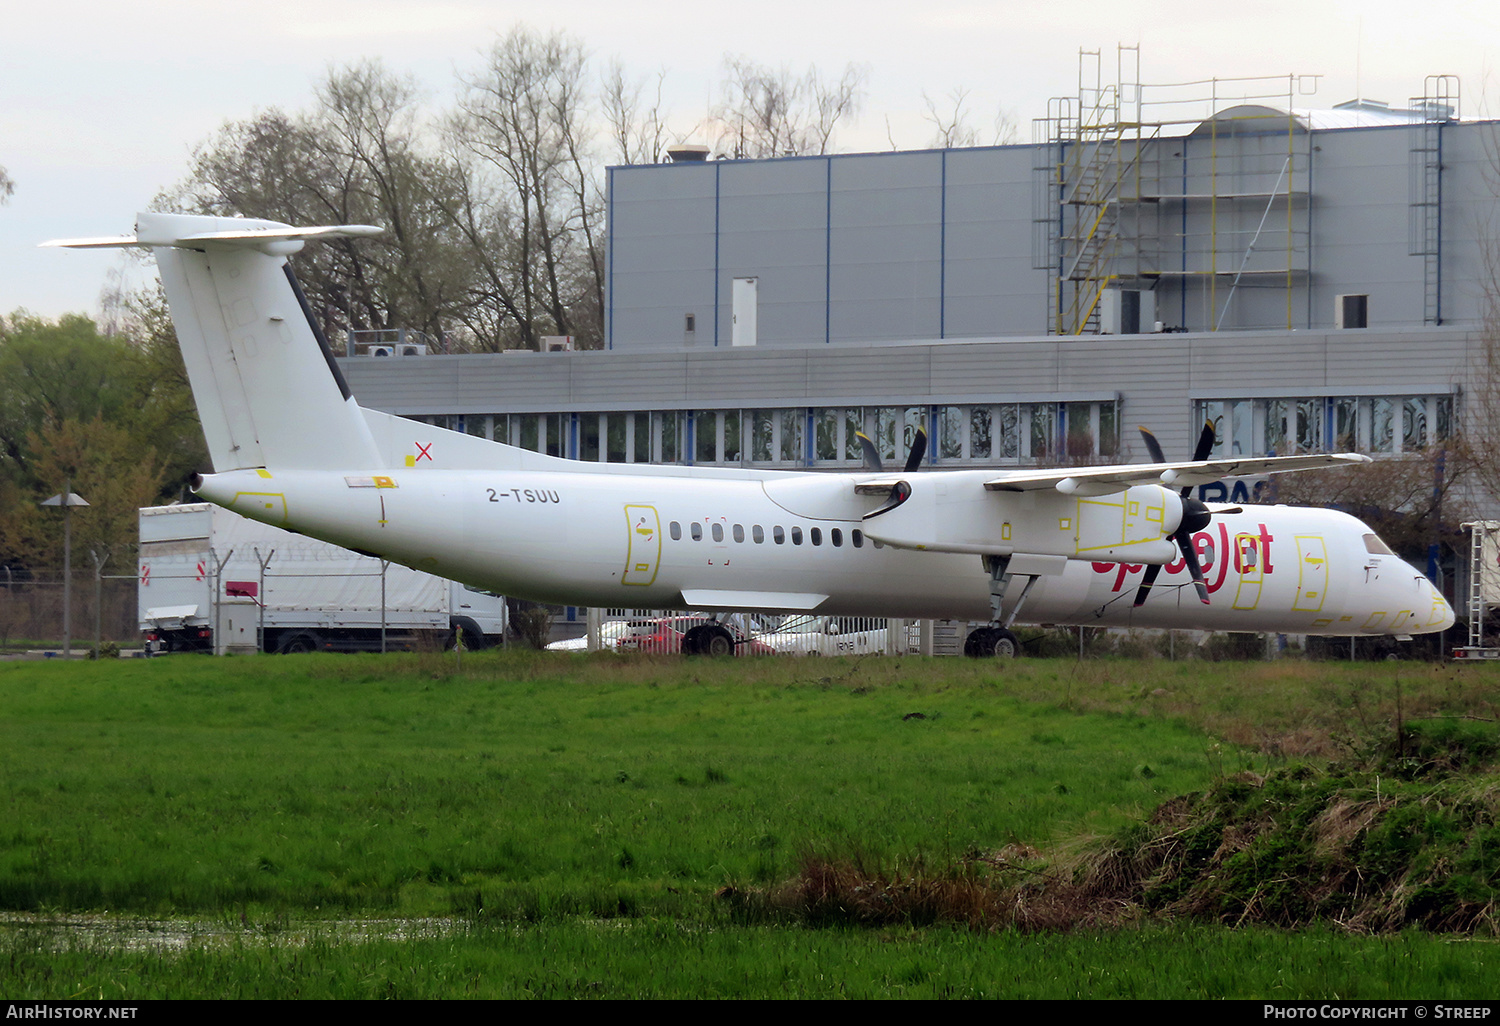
{"x":991,"y":643}
{"x":708,"y":639}
{"x":718,"y":642}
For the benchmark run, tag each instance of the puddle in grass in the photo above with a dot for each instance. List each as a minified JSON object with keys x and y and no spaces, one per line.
{"x":135,"y":933}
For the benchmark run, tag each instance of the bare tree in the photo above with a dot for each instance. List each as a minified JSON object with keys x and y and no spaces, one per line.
{"x":7,"y":186}
{"x":951,"y":122}
{"x":369,"y":122}
{"x":638,"y":133}
{"x":770,"y":112}
{"x":355,"y":158}
{"x":522,"y":132}
{"x":953,"y":125}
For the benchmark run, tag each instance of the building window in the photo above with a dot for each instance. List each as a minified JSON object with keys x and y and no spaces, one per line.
{"x":1370,"y":424}
{"x":616,"y":437}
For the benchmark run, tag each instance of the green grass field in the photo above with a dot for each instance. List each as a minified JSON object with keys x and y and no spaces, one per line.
{"x":566,"y":821}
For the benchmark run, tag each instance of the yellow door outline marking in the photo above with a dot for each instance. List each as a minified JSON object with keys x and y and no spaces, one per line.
{"x":642,"y":545}
{"x":1312,"y":573}
{"x":1252,"y":577}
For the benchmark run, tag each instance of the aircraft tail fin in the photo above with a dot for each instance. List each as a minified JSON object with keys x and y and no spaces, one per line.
{"x":268,"y":390}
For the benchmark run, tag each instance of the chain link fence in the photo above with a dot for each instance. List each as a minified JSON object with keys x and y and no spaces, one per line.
{"x":103,"y":610}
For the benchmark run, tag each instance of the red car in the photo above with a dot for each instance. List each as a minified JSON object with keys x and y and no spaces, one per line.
{"x":695,"y":635}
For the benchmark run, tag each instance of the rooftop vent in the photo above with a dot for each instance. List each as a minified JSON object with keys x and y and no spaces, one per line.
{"x":688,"y":153}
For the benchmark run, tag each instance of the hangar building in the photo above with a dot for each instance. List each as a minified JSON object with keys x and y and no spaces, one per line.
{"x":1307,"y":279}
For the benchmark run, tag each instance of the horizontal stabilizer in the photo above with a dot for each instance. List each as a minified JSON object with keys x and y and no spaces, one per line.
{"x":268,"y":236}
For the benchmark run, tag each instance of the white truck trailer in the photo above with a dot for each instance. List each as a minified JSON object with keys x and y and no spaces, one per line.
{"x":212,"y":580}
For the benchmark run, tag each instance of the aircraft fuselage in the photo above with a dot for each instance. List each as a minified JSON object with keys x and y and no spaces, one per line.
{"x":667,"y":542}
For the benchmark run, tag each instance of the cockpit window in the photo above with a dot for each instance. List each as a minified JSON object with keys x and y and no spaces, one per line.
{"x":1378,"y":547}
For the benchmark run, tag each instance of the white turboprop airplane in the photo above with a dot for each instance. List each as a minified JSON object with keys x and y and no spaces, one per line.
{"x":1100,"y":546}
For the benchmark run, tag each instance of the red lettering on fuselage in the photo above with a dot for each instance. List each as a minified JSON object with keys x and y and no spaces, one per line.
{"x":1212,"y":553}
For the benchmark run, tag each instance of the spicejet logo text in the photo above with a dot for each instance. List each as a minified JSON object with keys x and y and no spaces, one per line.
{"x":1248,"y":554}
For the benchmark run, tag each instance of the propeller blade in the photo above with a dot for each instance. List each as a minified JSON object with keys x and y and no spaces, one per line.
{"x":1190,"y":557}
{"x":872,"y":458}
{"x":918,"y":450}
{"x":1146,"y":582}
{"x":1205,"y":444}
{"x":1153,"y":447}
{"x":1195,"y":516}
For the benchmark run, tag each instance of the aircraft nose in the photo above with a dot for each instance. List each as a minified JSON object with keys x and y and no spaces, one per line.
{"x":1433,"y":613}
{"x":1428,"y":612}
{"x":1442,"y":613}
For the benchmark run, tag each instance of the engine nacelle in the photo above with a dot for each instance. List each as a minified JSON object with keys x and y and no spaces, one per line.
{"x":947,"y":516}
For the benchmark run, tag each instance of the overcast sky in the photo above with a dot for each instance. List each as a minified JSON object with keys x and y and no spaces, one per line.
{"x":103,"y":103}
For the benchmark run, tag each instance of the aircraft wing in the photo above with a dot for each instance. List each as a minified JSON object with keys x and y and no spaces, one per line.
{"x":1102,"y":480}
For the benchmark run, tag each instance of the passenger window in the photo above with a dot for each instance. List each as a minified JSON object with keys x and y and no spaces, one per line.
{"x":739,"y":533}
{"x":837,"y":537}
{"x":718,"y":530}
{"x":817,"y":536}
{"x":778,"y":535}
{"x":696,"y":530}
{"x":796,"y":536}
{"x":858,"y":537}
{"x":676,"y":531}
{"x":758,"y":534}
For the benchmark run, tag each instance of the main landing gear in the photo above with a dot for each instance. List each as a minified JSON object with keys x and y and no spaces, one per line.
{"x":996,"y":640}
{"x":708,"y":639}
{"x":984,"y":642}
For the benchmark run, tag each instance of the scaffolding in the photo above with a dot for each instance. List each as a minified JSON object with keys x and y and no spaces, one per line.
{"x":1437,"y":106}
{"x":1165,"y":194}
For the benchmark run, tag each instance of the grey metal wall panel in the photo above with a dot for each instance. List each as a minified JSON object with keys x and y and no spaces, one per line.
{"x":773,"y":226}
{"x":1471,"y":219}
{"x":1393,"y":362}
{"x":740,"y":377}
{"x":1018,"y":370}
{"x":989,"y":286}
{"x":885,"y":244}
{"x":1221,"y":361}
{"x":869,"y":376}
{"x":662,"y":241}
{"x":1360,"y":226}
